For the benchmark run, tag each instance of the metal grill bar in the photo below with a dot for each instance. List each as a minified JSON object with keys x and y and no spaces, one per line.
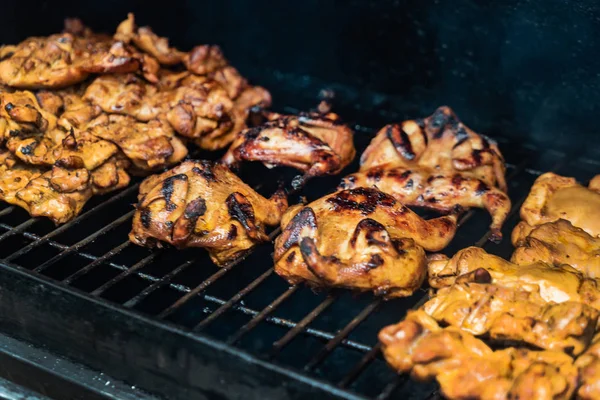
{"x":215,"y":314}
{"x":150,"y":289}
{"x":360,"y":366}
{"x":71,"y":223}
{"x":105,"y":229}
{"x":137,"y":266}
{"x":7,"y":211}
{"x":96,"y":262}
{"x":300,"y":326}
{"x":263,"y":314}
{"x":18,"y":229}
{"x":333,"y":343}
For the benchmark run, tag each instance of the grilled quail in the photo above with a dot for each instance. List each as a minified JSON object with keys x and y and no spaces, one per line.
{"x":473,"y":264}
{"x":466,"y":368}
{"x":361,"y":239}
{"x":203,"y":204}
{"x":557,"y":243}
{"x":440,"y":144}
{"x":555,"y":197}
{"x":422,"y":187}
{"x":515,"y":315}
{"x":315,"y":143}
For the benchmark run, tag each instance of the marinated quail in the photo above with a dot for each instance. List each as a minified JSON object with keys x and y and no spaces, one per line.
{"x":467,"y":368}
{"x":440,"y":144}
{"x":429,"y":189}
{"x":203,"y":204}
{"x":473,"y":264}
{"x":360,"y":239}
{"x":554,"y":197}
{"x":515,"y":315}
{"x":315,"y":143}
{"x":557,"y":243}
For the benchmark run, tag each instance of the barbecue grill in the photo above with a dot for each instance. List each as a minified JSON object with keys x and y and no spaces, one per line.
{"x":86,"y":314}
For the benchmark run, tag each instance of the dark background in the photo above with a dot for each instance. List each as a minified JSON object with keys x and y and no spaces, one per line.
{"x":525,"y":69}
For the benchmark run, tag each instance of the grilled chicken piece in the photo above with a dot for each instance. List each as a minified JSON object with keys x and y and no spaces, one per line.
{"x":196,"y":107}
{"x":148,"y":41}
{"x":473,"y":264}
{"x":589,"y":371}
{"x":149,"y":146}
{"x":205,"y":59}
{"x":21,"y":114}
{"x":426,"y":188}
{"x":555,"y":197}
{"x":439,"y":143}
{"x":360,"y":239}
{"x":557,"y":243}
{"x":466,"y":368}
{"x":318,"y":144}
{"x":77,"y":112}
{"x":65,"y":59}
{"x":203,"y":204}
{"x":515,"y":315}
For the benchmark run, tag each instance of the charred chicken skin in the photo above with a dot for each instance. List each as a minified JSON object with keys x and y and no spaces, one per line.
{"x":203,"y":204}
{"x":466,"y":368}
{"x":515,"y":315}
{"x":473,"y":264}
{"x":426,"y":188}
{"x":315,"y":143}
{"x":554,"y":197}
{"x":359,"y":239}
{"x":557,"y":243}
{"x":439,"y":143}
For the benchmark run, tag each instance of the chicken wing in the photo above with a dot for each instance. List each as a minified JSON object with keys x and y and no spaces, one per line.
{"x":439,"y":143}
{"x":557,"y":243}
{"x":203,"y":204}
{"x":515,"y":315}
{"x":318,"y":144}
{"x":359,"y":239}
{"x":426,"y":188}
{"x":473,"y":264}
{"x":555,"y":197}
{"x":466,"y":368}
{"x":150,"y":146}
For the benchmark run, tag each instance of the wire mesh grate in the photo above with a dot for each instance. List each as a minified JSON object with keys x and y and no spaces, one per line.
{"x":329,"y":335}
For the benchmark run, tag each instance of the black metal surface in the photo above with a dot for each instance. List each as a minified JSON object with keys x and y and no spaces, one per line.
{"x":174,"y":324}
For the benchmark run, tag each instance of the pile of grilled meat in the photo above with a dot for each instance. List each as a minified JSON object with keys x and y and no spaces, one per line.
{"x":80,"y":112}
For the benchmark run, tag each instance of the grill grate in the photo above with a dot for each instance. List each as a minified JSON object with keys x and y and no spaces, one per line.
{"x":329,"y":335}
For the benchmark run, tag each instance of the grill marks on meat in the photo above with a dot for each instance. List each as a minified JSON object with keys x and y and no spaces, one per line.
{"x":436,"y":163}
{"x":203,"y":204}
{"x":428,"y":189}
{"x":467,"y":368}
{"x":359,"y":239}
{"x":317,"y":144}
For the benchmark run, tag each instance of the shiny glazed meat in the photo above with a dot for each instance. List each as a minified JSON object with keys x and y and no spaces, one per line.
{"x":466,"y":368}
{"x":360,"y":239}
{"x":317,"y":144}
{"x":515,"y":315}
{"x":426,"y":188}
{"x":203,"y":204}
{"x":555,"y":197}
{"x":473,"y":264}
{"x":557,"y":243}
{"x":441,"y":144}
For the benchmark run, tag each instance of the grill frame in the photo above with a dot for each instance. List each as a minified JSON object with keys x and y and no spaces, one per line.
{"x":168,"y":359}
